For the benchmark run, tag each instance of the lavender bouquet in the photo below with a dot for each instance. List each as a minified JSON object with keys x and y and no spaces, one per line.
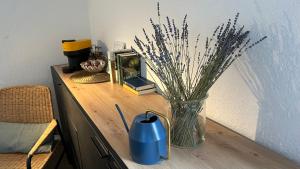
{"x":187,"y":76}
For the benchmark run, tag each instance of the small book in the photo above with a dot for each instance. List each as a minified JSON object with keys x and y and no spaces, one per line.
{"x":139,"y":83}
{"x":147,"y":91}
{"x":130,"y":89}
{"x":127,"y":54}
{"x":138,"y":92}
{"x":128,"y":65}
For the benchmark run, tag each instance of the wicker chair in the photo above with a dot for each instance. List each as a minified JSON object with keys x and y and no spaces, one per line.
{"x":28,"y":104}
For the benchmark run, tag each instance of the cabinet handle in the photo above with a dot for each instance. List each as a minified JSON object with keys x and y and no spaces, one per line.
{"x":100,"y":147}
{"x":58,"y":84}
{"x":111,"y":163}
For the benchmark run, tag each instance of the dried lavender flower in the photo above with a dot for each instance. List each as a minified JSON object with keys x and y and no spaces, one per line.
{"x":189,"y":77}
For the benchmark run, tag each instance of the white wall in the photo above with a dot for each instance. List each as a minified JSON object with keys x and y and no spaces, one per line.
{"x":30,"y":37}
{"x":259,"y":96}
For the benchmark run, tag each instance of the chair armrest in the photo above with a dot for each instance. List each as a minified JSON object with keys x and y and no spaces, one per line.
{"x":40,"y":141}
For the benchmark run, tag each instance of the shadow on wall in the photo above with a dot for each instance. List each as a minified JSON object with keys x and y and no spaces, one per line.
{"x":272,"y":72}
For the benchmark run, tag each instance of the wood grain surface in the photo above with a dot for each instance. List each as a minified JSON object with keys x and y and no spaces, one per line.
{"x":223,"y":148}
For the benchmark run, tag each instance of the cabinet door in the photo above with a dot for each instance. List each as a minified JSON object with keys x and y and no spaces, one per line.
{"x":75,"y":142}
{"x":69,"y":109}
{"x":94,"y":152}
{"x":58,"y":86}
{"x":91,"y":152}
{"x":62,"y":97}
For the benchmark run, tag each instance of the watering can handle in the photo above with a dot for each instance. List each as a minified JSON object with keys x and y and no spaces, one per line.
{"x":168,"y":128}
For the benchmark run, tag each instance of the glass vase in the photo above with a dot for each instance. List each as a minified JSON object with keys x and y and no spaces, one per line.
{"x":187,"y":123}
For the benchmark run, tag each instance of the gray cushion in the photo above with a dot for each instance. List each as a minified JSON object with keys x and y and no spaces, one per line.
{"x":20,"y":137}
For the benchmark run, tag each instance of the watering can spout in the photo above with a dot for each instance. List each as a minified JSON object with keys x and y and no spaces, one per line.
{"x":122,"y":117}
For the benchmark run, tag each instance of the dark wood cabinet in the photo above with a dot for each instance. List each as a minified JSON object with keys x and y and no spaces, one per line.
{"x":86,"y":147}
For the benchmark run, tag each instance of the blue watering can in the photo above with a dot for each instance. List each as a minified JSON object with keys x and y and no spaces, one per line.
{"x":149,"y":141}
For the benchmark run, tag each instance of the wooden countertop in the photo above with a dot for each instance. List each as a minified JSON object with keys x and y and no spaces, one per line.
{"x":223,"y":148}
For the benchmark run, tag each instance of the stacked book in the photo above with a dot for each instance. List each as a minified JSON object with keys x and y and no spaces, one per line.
{"x":127,"y":72}
{"x":139,"y":85}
